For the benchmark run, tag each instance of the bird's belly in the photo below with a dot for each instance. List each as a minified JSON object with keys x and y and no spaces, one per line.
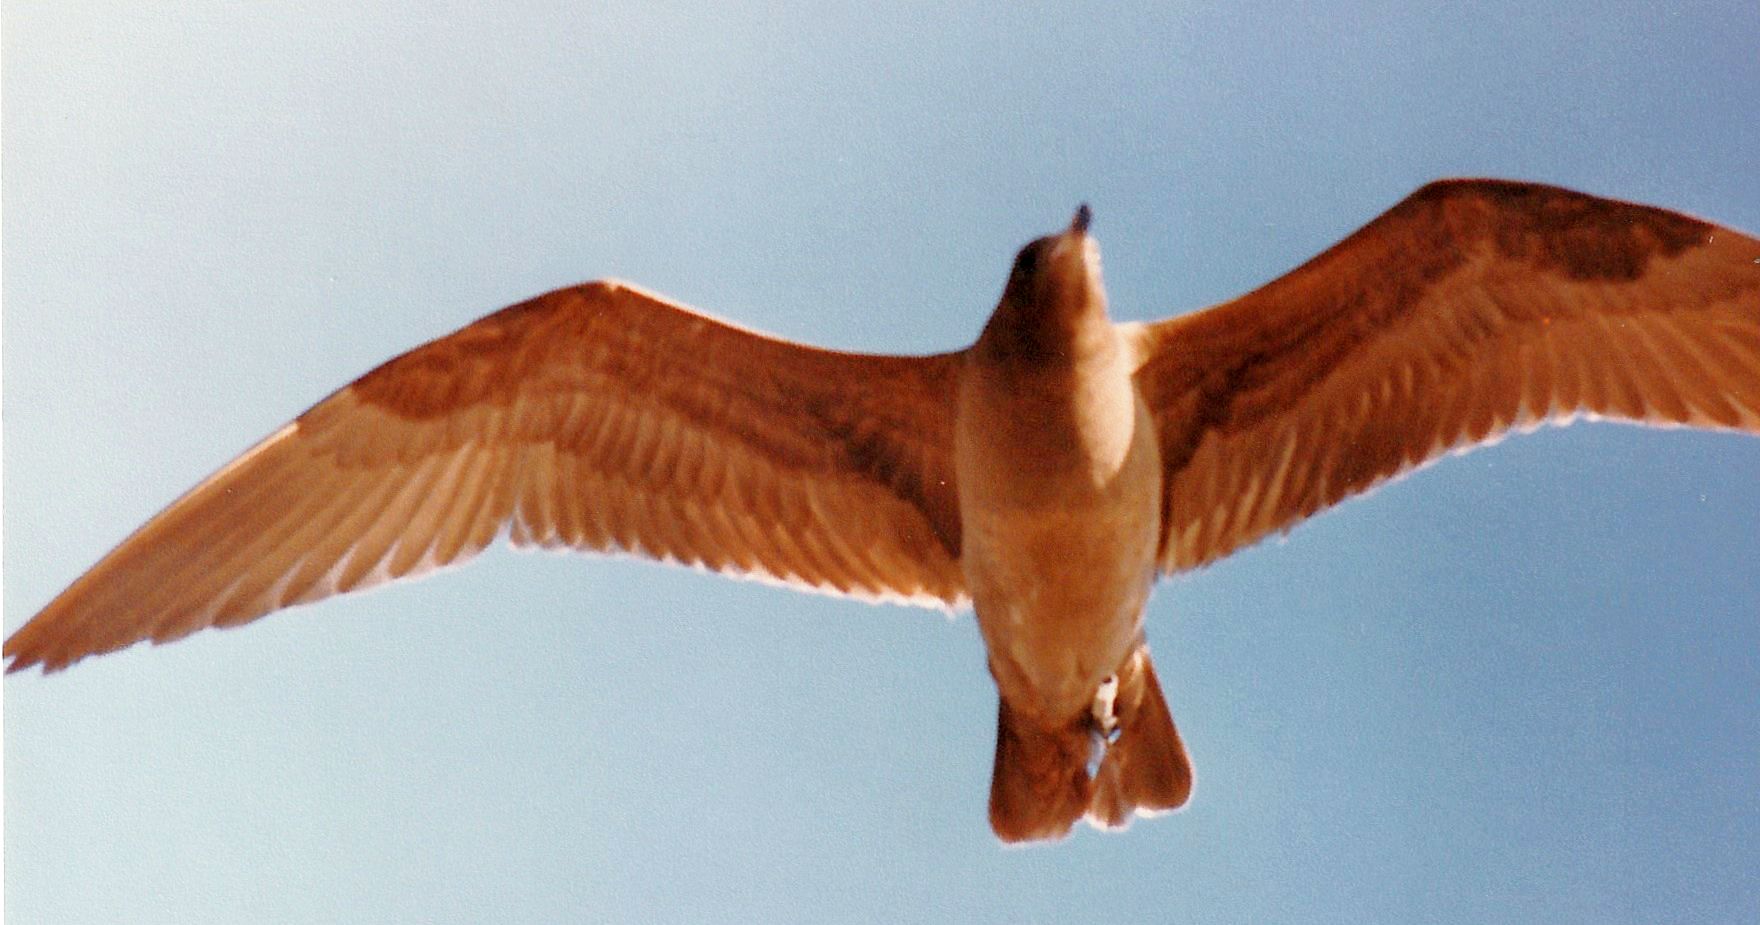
{"x":1059,"y":598}
{"x":1059,"y":575}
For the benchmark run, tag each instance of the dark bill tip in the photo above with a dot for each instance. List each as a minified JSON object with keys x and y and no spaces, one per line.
{"x":1084,"y":215}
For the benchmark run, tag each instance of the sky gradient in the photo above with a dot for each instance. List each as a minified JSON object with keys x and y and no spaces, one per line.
{"x":1523,"y":685}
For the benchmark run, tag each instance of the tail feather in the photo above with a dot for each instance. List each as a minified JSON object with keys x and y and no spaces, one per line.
{"x":1041,"y":783}
{"x":1146,"y":769}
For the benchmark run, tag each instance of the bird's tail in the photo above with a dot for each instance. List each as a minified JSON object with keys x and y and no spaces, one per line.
{"x":1041,"y":783}
{"x":1145,"y":770}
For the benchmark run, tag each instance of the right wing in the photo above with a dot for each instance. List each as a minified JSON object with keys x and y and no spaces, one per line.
{"x":598,"y":417}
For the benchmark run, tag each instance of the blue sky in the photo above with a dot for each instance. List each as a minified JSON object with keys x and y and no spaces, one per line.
{"x":1523,"y":685}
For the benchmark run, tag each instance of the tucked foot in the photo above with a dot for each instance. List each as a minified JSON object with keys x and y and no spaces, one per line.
{"x":1145,"y":769}
{"x":1105,"y":717}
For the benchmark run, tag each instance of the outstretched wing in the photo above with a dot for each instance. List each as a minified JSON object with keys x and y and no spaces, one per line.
{"x":598,"y":417}
{"x":1472,"y":307}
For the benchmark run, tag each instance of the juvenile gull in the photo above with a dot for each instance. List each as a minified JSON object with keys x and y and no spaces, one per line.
{"x":1047,"y":474}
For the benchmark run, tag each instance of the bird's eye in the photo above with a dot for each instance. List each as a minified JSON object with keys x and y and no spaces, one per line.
{"x":1028,"y":260}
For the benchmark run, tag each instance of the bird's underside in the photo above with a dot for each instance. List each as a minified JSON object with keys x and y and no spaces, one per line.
{"x":601,"y":417}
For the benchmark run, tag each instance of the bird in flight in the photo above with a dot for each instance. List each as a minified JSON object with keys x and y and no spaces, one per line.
{"x":1047,"y":475}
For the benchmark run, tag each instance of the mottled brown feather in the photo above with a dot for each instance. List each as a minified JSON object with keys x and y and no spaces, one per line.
{"x":598,"y":417}
{"x":1469,"y":308}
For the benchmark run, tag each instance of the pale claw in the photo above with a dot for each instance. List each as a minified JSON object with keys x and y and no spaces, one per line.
{"x":1104,"y":717}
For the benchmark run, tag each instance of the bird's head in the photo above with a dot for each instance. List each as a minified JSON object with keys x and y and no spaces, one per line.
{"x":1059,"y":271}
{"x":1053,"y":293}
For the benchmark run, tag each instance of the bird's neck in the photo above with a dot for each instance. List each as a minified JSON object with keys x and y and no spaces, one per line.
{"x":1053,"y":337}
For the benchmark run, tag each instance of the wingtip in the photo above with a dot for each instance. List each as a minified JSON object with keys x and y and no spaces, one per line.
{"x":22,"y":655}
{"x":16,"y":663}
{"x":16,"y":659}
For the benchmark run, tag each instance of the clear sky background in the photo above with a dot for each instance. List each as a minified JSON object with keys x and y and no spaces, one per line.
{"x":1523,"y":685}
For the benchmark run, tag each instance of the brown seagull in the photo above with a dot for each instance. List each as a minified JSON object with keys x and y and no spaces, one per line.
{"x":1047,"y":474}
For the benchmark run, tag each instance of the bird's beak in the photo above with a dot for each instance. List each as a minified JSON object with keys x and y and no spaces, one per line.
{"x":1079,"y":224}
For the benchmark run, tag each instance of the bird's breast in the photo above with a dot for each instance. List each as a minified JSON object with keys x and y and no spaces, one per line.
{"x":1060,"y":506}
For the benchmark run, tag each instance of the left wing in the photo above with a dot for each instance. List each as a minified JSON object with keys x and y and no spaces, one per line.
{"x":1470,"y":308}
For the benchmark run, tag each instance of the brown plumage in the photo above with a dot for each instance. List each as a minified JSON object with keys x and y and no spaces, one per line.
{"x":598,"y":417}
{"x":1471,"y":308}
{"x":1047,"y":474}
